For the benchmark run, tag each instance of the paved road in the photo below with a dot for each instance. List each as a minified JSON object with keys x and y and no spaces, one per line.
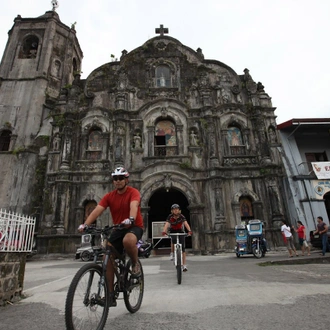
{"x":218,"y":292}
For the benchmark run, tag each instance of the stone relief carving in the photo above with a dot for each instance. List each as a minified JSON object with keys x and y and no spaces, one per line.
{"x":137,"y":141}
{"x":251,"y":86}
{"x":56,"y":142}
{"x":272,"y":135}
{"x":164,"y":112}
{"x":193,"y":139}
{"x":226,"y":97}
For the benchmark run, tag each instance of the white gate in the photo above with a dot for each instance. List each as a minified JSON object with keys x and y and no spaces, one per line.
{"x":16,"y":232}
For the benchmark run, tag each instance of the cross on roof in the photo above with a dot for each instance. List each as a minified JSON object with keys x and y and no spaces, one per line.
{"x":161,"y":30}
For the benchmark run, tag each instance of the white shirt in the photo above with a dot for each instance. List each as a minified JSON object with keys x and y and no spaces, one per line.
{"x":286,"y":230}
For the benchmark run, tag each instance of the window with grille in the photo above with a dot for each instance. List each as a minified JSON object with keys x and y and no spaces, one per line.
{"x":165,"y":138}
{"x":313,"y":157}
{"x":235,"y":141}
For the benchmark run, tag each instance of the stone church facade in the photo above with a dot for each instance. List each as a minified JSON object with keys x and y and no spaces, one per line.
{"x":190,"y":131}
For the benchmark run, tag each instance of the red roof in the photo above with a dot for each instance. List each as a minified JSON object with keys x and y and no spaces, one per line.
{"x":303,"y":121}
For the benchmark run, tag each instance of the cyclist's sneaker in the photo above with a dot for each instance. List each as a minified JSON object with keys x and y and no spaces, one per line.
{"x":184,"y":268}
{"x":136,"y":271}
{"x":113,"y":301}
{"x":171,"y":256}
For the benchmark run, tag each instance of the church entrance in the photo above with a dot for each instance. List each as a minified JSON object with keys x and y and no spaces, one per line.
{"x":159,"y":208}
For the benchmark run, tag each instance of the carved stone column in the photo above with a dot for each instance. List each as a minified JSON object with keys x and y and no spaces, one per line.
{"x":66,"y":149}
{"x":150,"y":142}
{"x":197,"y":227}
{"x":180,"y":142}
{"x":220,"y":220}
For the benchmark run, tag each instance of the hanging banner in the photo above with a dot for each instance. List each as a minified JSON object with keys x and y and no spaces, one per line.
{"x":321,"y":188}
{"x":322,"y":170}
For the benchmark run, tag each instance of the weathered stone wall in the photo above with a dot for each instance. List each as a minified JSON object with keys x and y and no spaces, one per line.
{"x":12,"y":270}
{"x":47,"y":244}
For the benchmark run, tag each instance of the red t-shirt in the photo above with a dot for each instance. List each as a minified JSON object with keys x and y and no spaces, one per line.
{"x":176,"y":224}
{"x":300,"y":232}
{"x":119,"y":205}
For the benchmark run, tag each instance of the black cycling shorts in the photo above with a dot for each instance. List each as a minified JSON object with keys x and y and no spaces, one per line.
{"x":116,"y":237}
{"x":181,"y":239}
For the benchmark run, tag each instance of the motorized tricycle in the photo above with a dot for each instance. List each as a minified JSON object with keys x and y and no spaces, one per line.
{"x":85,"y":252}
{"x":250,"y":240}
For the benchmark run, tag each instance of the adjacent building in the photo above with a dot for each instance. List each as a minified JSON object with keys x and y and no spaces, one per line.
{"x":306,"y":153}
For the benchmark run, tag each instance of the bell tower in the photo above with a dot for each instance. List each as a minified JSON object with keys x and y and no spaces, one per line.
{"x":41,"y":56}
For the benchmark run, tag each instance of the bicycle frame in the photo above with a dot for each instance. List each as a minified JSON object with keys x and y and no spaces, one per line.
{"x":178,"y":257}
{"x":89,"y":289}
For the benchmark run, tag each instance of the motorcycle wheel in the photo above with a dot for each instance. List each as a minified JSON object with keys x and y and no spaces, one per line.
{"x":85,"y":256}
{"x":257,"y":252}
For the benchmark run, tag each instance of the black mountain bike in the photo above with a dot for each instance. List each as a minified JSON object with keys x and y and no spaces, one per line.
{"x":88,"y":299}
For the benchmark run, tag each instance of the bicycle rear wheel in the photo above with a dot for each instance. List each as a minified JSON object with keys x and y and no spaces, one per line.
{"x":87,"y":302}
{"x":178,"y":265}
{"x":133,"y":288}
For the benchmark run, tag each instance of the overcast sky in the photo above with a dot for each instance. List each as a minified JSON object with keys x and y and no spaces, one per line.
{"x":284,"y":43}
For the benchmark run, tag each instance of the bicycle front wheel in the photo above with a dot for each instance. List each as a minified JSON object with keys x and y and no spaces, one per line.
{"x":178,"y":265}
{"x":87,"y":301}
{"x":133,"y":288}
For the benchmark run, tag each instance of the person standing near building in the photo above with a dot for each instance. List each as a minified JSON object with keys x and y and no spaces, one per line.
{"x":286,"y":232}
{"x":124,"y":205}
{"x":301,"y":231}
{"x":322,"y":229}
{"x":176,"y":222}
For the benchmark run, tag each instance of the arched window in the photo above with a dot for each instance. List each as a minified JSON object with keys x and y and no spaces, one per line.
{"x":89,"y":207}
{"x":5,"y":140}
{"x":163,"y":76}
{"x":235,"y":141}
{"x":29,"y":47}
{"x":165,"y":138}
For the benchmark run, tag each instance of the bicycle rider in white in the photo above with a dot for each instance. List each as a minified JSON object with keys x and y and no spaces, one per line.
{"x":177,"y":222}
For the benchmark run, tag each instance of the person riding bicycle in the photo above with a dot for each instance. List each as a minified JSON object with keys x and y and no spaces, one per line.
{"x":124,"y":205}
{"x":177,"y":222}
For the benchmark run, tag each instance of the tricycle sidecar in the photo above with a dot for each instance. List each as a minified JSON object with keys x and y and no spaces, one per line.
{"x":85,"y":251}
{"x":250,"y":240}
{"x":241,"y":240}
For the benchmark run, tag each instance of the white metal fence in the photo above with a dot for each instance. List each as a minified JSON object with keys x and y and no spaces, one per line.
{"x":16,"y":232}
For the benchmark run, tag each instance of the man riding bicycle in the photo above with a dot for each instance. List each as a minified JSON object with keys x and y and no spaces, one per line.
{"x":124,"y":205}
{"x":177,"y":222}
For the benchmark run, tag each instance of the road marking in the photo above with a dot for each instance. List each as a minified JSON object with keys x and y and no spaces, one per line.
{"x":51,"y":282}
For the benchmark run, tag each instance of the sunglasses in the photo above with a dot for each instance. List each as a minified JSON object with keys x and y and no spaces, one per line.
{"x":118,"y":178}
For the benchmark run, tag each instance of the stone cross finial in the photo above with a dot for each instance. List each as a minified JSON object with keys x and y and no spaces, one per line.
{"x":161,"y":30}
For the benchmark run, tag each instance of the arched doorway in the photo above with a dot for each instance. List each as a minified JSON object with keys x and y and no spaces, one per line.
{"x":160,"y":207}
{"x":327,"y":203}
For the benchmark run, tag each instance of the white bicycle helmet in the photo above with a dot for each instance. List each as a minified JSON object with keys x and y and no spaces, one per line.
{"x":120,"y":171}
{"x":175,"y":206}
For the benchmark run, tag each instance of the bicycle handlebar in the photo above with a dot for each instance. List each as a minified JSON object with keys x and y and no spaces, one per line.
{"x":106,"y":230}
{"x":177,"y":234}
